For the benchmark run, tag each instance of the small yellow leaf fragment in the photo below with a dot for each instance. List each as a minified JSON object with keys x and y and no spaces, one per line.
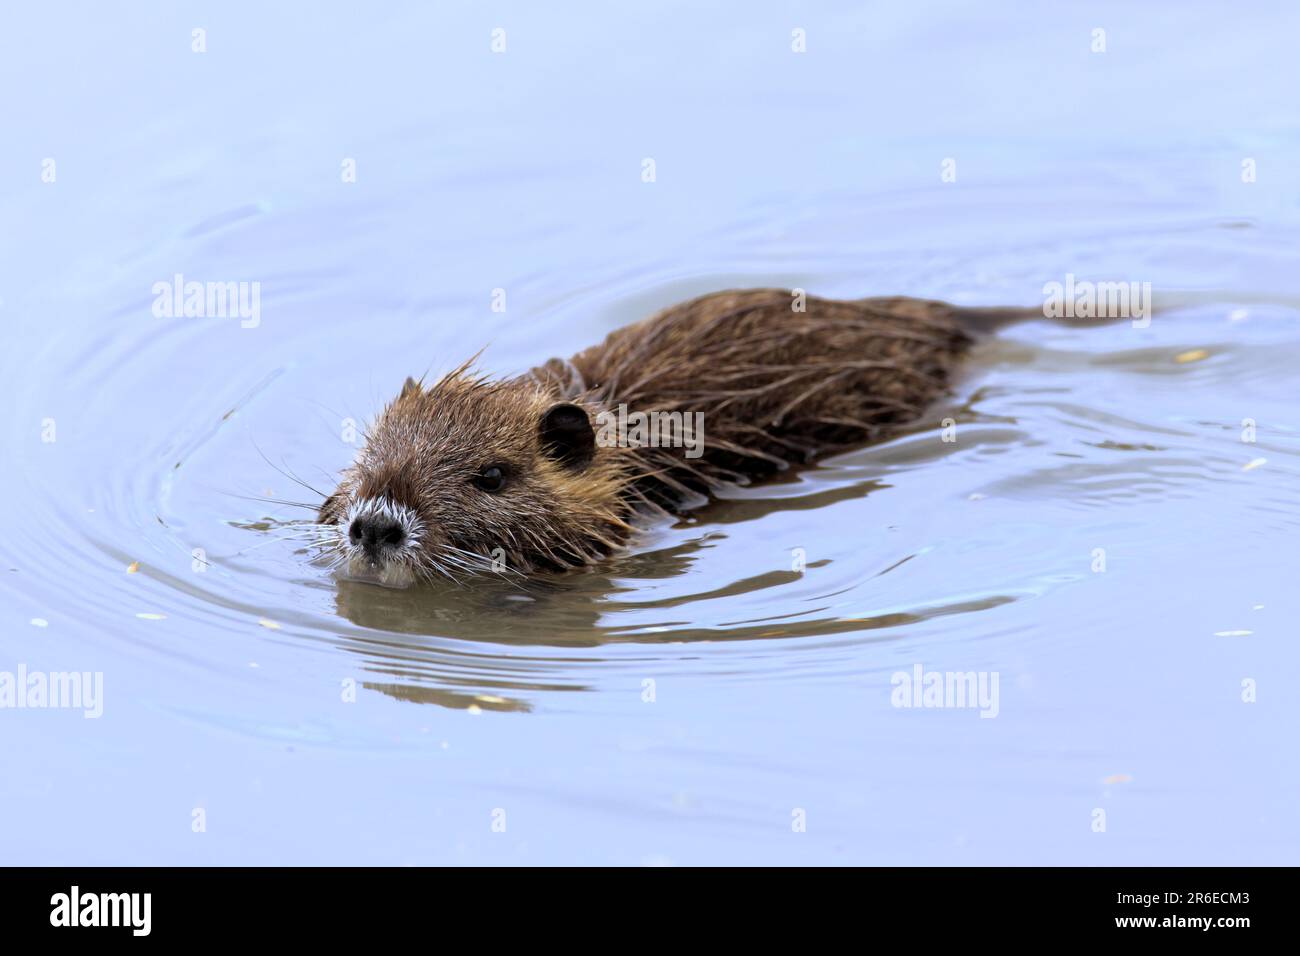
{"x":268,"y":623}
{"x":1193,"y":355}
{"x":133,"y":567}
{"x":152,"y":617}
{"x":1118,"y":778}
{"x":1253,"y":464}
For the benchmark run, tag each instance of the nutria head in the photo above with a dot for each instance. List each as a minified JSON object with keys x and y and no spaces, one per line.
{"x":474,"y":475}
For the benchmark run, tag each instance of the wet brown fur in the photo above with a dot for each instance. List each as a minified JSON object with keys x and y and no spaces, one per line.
{"x":777,"y":387}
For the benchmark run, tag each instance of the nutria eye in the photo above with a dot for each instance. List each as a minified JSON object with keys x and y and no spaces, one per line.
{"x":491,"y":479}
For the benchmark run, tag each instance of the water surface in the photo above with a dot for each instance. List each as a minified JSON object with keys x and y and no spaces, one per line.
{"x":696,"y":698}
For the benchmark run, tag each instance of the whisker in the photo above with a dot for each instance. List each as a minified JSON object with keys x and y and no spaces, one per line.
{"x":289,"y":474}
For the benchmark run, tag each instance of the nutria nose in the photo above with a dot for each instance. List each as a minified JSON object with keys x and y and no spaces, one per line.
{"x":373,"y":533}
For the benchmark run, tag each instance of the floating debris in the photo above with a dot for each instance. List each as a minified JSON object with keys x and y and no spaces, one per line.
{"x":1194,"y":355}
{"x":268,"y":623}
{"x":1253,"y":464}
{"x":1233,"y":633}
{"x":133,"y":567}
{"x":489,"y":699}
{"x":152,"y":617}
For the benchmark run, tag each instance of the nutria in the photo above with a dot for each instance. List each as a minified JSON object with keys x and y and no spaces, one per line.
{"x":532,"y":473}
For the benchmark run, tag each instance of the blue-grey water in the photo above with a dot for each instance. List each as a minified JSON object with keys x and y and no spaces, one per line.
{"x":1111,"y":535}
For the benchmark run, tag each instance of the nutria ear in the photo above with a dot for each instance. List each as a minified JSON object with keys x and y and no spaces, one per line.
{"x":411,"y":386}
{"x":567,"y":436}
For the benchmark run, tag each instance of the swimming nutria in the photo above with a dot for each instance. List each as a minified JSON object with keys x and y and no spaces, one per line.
{"x":473,"y":474}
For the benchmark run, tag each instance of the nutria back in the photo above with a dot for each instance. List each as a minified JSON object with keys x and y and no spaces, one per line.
{"x":780,"y":378}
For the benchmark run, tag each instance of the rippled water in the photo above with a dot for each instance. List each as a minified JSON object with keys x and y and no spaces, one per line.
{"x":697,"y":698}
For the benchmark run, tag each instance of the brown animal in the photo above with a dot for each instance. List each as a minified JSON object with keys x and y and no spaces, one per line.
{"x":533,"y":473}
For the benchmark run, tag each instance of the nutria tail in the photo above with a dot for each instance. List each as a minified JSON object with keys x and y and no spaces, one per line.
{"x":1093,"y":304}
{"x":985,"y":320}
{"x":977,"y":319}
